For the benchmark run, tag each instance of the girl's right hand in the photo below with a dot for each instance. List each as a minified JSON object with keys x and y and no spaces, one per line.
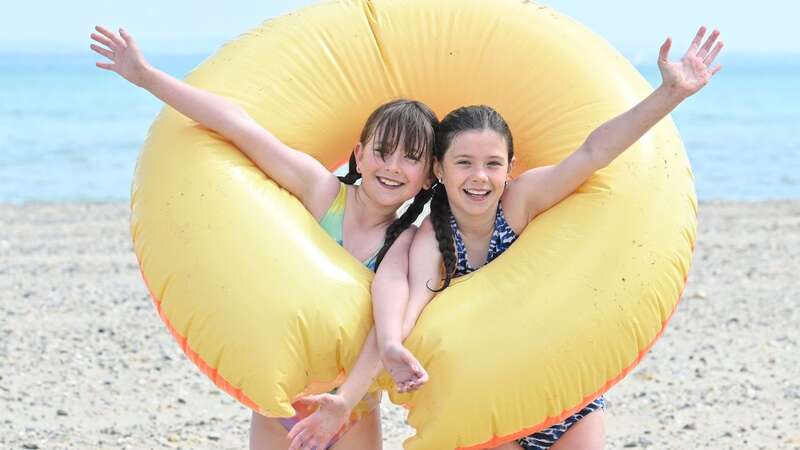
{"x":405,"y":369}
{"x":126,"y":59}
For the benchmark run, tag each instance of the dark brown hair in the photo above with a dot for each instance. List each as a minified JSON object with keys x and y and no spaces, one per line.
{"x":399,"y":123}
{"x":467,"y":118}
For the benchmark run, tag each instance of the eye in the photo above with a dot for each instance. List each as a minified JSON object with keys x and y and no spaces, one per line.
{"x":379,"y":153}
{"x":462,"y":162}
{"x":495,"y":163}
{"x":412,"y":159}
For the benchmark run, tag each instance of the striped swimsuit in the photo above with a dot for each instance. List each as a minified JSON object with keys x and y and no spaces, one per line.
{"x":502,"y":237}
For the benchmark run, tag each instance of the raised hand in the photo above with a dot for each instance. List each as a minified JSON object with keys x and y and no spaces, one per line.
{"x":122,"y":51}
{"x":407,"y":372}
{"x":694,"y":70}
{"x":316,"y":430}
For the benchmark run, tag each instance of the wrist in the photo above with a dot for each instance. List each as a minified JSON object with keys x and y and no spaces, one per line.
{"x":145,"y":76}
{"x":672,"y":93}
{"x":388,"y":344}
{"x":350,"y":398}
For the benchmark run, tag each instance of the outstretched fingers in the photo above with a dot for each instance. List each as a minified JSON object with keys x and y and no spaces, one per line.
{"x":116,"y":41}
{"x":304,"y":436}
{"x":129,"y":41}
{"x":698,"y":38}
{"x":663,"y":54}
{"x":703,"y":52}
{"x":102,"y":51}
{"x":710,"y":57}
{"x":297,"y":439}
{"x":297,"y":430}
{"x":101,"y":39}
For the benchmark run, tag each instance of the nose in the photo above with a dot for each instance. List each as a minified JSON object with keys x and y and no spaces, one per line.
{"x":392,"y":163}
{"x":479,"y":174}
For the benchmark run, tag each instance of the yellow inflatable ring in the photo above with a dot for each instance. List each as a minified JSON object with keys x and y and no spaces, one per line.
{"x":269,"y":307}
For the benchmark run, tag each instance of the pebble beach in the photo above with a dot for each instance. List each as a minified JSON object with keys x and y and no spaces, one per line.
{"x":86,"y":363}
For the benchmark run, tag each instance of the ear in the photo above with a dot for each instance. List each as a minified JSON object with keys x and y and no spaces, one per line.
{"x":358,"y":151}
{"x":438,"y":173}
{"x":428,"y":183}
{"x":511,"y":165}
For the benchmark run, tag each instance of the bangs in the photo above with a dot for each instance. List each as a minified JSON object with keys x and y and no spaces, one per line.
{"x":405,"y":128}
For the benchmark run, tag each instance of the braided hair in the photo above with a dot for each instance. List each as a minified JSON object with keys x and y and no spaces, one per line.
{"x":467,"y":118}
{"x":399,"y":123}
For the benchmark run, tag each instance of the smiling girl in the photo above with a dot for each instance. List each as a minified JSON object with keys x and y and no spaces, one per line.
{"x":391,"y":158}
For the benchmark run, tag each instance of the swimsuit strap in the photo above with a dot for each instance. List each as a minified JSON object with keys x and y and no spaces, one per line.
{"x":333,"y":223}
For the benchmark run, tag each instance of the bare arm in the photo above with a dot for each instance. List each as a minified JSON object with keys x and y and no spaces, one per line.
{"x":389,"y":298}
{"x":425,"y":273}
{"x":540,"y":188}
{"x":295,"y":171}
{"x":317,"y":430}
{"x":368,"y":365}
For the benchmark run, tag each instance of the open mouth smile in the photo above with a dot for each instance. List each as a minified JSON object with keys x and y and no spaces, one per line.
{"x":477,"y":194}
{"x":389,"y":183}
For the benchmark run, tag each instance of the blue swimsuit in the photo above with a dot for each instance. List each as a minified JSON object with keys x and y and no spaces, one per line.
{"x":502,"y":237}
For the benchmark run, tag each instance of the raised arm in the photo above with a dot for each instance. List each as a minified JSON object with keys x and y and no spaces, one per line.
{"x":540,"y":188}
{"x":295,"y":171}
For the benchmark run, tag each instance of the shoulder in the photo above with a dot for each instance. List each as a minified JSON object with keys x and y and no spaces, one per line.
{"x":426,"y":229}
{"x":408,"y":234}
{"x":321,"y":198}
{"x":425,"y":239}
{"x":515,"y":209}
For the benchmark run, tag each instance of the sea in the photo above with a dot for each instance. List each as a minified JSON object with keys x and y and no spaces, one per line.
{"x":70,"y":132}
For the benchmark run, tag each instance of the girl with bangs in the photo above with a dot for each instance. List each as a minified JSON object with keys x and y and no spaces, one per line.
{"x":392,"y":160}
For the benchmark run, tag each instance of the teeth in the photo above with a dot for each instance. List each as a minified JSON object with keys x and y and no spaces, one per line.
{"x":475,"y":192}
{"x":389,"y":182}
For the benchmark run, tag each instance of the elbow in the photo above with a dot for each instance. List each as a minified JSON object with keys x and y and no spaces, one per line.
{"x":597,"y":155}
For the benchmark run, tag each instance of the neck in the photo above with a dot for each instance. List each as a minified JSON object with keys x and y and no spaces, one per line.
{"x":475,"y":226}
{"x":370,"y":214}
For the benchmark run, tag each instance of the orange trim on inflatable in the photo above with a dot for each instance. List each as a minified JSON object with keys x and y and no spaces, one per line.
{"x":210,"y":372}
{"x":213,"y":374}
{"x":498,"y":440}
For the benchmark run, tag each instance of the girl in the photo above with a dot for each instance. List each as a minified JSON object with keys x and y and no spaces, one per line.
{"x":477,"y":212}
{"x":391,"y":159}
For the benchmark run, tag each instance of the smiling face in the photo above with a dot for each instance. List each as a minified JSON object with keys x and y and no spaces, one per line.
{"x":391,"y":176}
{"x":394,"y":153}
{"x":474,"y":170}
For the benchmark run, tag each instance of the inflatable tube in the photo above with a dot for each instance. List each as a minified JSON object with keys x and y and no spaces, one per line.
{"x":268,"y":306}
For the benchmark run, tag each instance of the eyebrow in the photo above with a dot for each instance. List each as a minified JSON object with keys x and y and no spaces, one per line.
{"x":463,"y":155}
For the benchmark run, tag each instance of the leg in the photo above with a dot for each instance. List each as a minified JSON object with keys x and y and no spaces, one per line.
{"x":364,"y":435}
{"x":588,"y":434}
{"x":267,"y":434}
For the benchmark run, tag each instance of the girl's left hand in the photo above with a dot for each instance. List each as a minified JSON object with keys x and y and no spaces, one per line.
{"x":316,"y":430}
{"x":693,"y":71}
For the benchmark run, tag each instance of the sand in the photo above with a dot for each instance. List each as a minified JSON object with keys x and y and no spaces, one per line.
{"x":85,"y":362}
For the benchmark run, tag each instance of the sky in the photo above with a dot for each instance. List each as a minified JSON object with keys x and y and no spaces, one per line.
{"x":636,"y":28}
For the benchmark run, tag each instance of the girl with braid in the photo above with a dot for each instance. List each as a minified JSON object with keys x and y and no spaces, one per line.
{"x":477,"y":212}
{"x":392,"y":160}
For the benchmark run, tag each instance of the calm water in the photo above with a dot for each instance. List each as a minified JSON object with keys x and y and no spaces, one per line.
{"x":70,"y":132}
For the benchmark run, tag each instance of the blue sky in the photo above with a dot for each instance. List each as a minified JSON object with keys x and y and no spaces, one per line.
{"x":181,"y":26}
